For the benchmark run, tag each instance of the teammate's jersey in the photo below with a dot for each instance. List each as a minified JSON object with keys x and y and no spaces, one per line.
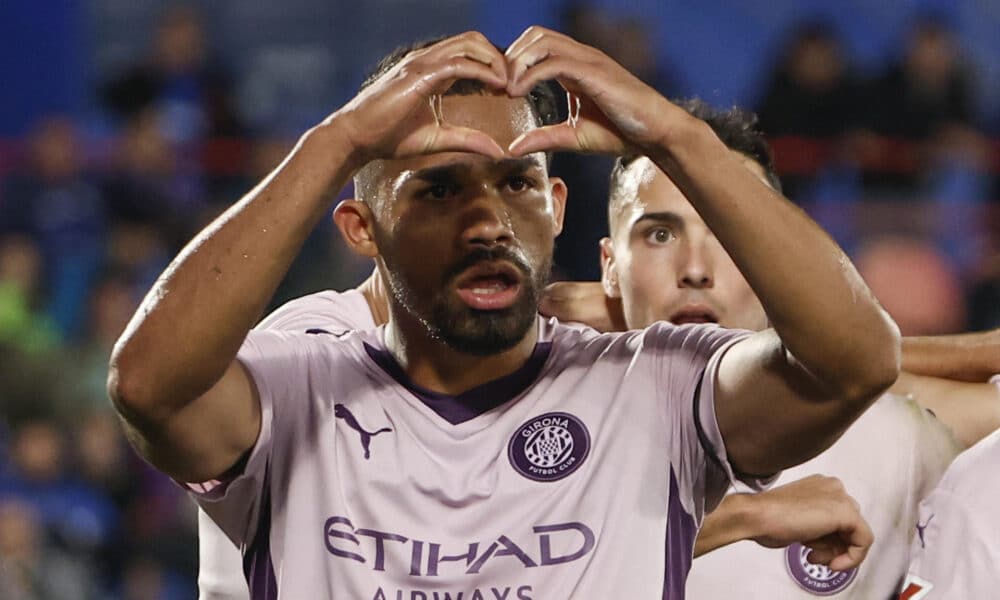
{"x":956,"y":549}
{"x":220,"y":566}
{"x":584,"y":474}
{"x":888,"y":460}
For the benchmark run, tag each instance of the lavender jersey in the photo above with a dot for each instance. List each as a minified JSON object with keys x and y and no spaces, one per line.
{"x":956,"y":549}
{"x":220,"y":565}
{"x":888,"y":460}
{"x":584,"y":474}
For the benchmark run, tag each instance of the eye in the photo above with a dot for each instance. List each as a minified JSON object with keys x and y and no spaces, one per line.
{"x":439,"y":191}
{"x":519,"y":183}
{"x":659,"y":235}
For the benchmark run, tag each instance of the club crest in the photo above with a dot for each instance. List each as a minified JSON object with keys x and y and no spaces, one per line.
{"x":815,"y":579}
{"x":549,"y":447}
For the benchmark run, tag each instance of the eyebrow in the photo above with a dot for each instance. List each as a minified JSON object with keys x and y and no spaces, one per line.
{"x":665,"y":217}
{"x":451,"y":171}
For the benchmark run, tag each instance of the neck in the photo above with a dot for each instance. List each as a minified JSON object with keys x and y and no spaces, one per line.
{"x":432,"y":364}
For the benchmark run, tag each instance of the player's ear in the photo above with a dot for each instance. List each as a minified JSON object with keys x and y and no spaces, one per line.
{"x":356,"y":223}
{"x":559,"y":193}
{"x":609,"y":269}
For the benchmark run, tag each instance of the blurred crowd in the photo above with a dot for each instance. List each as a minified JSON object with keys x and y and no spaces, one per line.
{"x":895,"y":166}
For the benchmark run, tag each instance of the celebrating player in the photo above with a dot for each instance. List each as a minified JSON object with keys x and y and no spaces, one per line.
{"x":469,"y":447}
{"x":662,"y":261}
{"x":957,"y":547}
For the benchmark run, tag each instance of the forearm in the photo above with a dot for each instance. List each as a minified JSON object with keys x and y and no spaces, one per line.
{"x":730,"y":522}
{"x":819,"y":305}
{"x":972,"y":357}
{"x":192,"y":322}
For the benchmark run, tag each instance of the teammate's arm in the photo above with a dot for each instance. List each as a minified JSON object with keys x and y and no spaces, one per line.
{"x":784,"y":395}
{"x":972,"y":357}
{"x":970,"y":410}
{"x":815,"y":511}
{"x":189,"y":406}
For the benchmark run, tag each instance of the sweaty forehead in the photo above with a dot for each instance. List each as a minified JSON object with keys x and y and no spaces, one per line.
{"x":497,"y":115}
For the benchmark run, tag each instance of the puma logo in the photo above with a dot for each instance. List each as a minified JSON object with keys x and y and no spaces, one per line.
{"x":921,"y":528}
{"x":340,"y":411}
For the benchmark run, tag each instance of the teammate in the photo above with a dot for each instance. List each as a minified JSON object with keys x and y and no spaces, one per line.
{"x":663,"y":262}
{"x":469,"y":447}
{"x":957,"y":547}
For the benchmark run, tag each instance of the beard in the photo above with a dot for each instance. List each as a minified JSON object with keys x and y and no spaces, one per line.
{"x":468,"y":330}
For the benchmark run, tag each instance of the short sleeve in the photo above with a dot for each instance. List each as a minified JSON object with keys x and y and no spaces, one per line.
{"x":278,"y":365}
{"x":328,"y":312}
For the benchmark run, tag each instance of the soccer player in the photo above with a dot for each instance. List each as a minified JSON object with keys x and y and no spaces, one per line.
{"x":662,"y":261}
{"x":468,"y":447}
{"x":957,"y":547}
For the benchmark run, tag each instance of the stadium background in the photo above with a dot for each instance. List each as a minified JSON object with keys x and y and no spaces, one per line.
{"x":125,"y":125}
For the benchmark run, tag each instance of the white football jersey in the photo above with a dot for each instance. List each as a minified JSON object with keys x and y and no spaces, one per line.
{"x":220,"y":566}
{"x":583,"y":474}
{"x":888,"y":460}
{"x":956,"y":549}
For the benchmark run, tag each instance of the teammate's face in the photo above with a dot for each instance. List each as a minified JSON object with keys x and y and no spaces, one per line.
{"x":466,"y":241}
{"x":666,"y":265}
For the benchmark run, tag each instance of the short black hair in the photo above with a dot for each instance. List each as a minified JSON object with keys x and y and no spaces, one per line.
{"x":542,"y":98}
{"x":736,"y":127}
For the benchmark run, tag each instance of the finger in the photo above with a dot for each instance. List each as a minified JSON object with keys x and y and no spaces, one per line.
{"x":587,"y":136}
{"x":572,"y":73}
{"x":475,"y":46}
{"x":527,"y":38}
{"x":439,"y":77}
{"x":432,"y":138}
{"x":851,"y":559}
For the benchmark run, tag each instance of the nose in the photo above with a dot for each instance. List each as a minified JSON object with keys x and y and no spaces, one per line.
{"x":696,"y":267}
{"x":487,"y":222}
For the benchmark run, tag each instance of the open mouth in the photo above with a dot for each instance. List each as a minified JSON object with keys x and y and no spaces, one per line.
{"x":492,"y":285}
{"x":694,"y":314}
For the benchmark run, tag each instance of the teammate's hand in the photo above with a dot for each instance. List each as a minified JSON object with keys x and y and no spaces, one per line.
{"x":582,"y":302}
{"x":611,"y":110}
{"x":389,"y":118}
{"x":818,"y":513}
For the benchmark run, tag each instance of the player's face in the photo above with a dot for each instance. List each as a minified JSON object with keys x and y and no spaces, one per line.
{"x":667,"y":265}
{"x":467,"y":240}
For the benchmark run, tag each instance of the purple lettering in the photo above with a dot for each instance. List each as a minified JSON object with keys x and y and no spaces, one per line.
{"x":545,"y":543}
{"x":477,"y":595}
{"x":343,"y":535}
{"x":434,"y":558}
{"x":417,"y":595}
{"x":416,"y":558}
{"x":499,"y":595}
{"x":447,"y":596}
{"x":524,"y":592}
{"x":509,"y":549}
{"x":380,"y":537}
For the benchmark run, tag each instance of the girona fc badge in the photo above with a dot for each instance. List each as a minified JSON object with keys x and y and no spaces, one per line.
{"x":815,"y":579}
{"x":549,"y":447}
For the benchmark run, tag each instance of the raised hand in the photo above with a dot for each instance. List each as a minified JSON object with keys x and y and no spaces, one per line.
{"x":611,"y":110}
{"x":391,"y":118}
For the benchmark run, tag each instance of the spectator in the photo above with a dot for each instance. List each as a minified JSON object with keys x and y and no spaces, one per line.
{"x":811,"y":92}
{"x":179,"y":81}
{"x":30,"y":567}
{"x":56,"y":204}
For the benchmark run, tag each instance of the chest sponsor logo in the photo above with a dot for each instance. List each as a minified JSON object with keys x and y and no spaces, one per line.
{"x":545,"y":546}
{"x":341,"y":412}
{"x":549,"y":447}
{"x":815,"y":579}
{"x":915,"y":588}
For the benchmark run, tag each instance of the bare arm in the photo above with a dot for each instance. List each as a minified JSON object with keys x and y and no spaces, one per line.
{"x":833,"y":350}
{"x":190,"y":407}
{"x":972,"y":357}
{"x":815,"y":511}
{"x":970,"y":410}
